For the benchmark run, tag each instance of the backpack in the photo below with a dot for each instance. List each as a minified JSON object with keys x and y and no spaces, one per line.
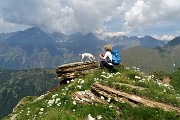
{"x":116,"y":57}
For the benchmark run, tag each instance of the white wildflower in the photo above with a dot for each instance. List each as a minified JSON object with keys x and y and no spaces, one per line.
{"x":110,"y":75}
{"x":149,"y":77}
{"x":82,"y":82}
{"x":103,"y":76}
{"x":42,"y":109}
{"x":59,"y":104}
{"x":140,"y":81}
{"x":102,"y":97}
{"x":99,"y":117}
{"x":109,"y":99}
{"x":79,"y":86}
{"x":57,"y":100}
{"x":74,"y":102}
{"x":137,"y":77}
{"x":95,"y":79}
{"x":134,"y":67}
{"x":166,"y":85}
{"x":66,"y":88}
{"x":90,"y":117}
{"x":110,"y":106}
{"x":103,"y":72}
{"x":54,"y":96}
{"x":164,"y":90}
{"x":40,"y":113}
{"x":159,"y":83}
{"x":74,"y":110}
{"x":118,"y":73}
{"x":68,"y":82}
{"x":51,"y":102}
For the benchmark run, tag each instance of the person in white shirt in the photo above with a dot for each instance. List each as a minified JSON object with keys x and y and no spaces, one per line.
{"x":106,"y":59}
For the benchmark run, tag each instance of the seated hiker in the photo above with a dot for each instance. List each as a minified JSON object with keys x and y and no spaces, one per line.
{"x":106,"y":59}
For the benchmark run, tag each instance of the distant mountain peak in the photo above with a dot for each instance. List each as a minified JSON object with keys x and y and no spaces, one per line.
{"x":174,"y":42}
{"x":150,"y":42}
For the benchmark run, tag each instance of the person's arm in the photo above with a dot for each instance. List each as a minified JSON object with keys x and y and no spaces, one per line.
{"x":101,"y":56}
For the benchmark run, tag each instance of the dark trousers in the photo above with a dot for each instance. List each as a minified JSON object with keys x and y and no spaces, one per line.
{"x":104,"y":64}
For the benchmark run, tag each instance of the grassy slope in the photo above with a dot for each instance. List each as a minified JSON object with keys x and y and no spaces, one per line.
{"x":176,"y":81}
{"x":64,"y":108}
{"x":151,"y":60}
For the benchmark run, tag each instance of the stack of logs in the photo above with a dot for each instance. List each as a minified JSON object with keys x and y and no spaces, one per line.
{"x":73,"y":70}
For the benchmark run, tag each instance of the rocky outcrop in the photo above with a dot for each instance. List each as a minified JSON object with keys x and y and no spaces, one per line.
{"x":104,"y":94}
{"x":73,"y":70}
{"x":123,"y":97}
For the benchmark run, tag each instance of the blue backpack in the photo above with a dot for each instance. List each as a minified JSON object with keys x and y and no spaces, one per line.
{"x":116,"y":57}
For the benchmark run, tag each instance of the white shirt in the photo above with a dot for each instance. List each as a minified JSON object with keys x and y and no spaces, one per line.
{"x":108,"y":56}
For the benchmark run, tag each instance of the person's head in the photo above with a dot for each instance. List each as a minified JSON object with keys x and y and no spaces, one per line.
{"x":108,"y":47}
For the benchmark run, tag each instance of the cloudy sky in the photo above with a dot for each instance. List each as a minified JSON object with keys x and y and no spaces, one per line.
{"x":158,"y":18}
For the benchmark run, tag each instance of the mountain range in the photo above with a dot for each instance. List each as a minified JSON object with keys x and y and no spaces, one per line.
{"x":34,"y":48}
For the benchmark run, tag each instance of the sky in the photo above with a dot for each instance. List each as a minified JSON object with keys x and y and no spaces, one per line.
{"x":158,"y":18}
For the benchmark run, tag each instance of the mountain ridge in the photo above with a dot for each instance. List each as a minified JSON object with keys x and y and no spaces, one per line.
{"x":34,"y":48}
{"x":16,"y":84}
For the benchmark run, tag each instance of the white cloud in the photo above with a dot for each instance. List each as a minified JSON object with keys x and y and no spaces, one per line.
{"x":148,"y":13}
{"x":139,"y":17}
{"x":164,"y":37}
{"x":112,"y":34}
{"x":5,"y":25}
{"x":59,"y":15}
{"x":101,"y":34}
